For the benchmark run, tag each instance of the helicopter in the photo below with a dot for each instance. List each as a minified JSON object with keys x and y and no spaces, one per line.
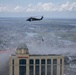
{"x":34,"y":19}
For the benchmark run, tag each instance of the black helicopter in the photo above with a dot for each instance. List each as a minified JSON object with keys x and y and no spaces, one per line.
{"x":34,"y":19}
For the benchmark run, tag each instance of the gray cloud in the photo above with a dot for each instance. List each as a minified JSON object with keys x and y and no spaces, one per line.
{"x":40,"y":7}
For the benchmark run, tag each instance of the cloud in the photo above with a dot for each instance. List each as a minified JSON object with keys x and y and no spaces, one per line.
{"x":68,"y":7}
{"x":14,"y":9}
{"x":19,"y":9}
{"x":40,"y":7}
{"x":2,"y":8}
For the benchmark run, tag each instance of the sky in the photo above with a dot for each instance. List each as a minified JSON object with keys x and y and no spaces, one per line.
{"x":47,"y":8}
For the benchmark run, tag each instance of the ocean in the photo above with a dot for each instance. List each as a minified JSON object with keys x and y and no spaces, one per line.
{"x":48,"y":36}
